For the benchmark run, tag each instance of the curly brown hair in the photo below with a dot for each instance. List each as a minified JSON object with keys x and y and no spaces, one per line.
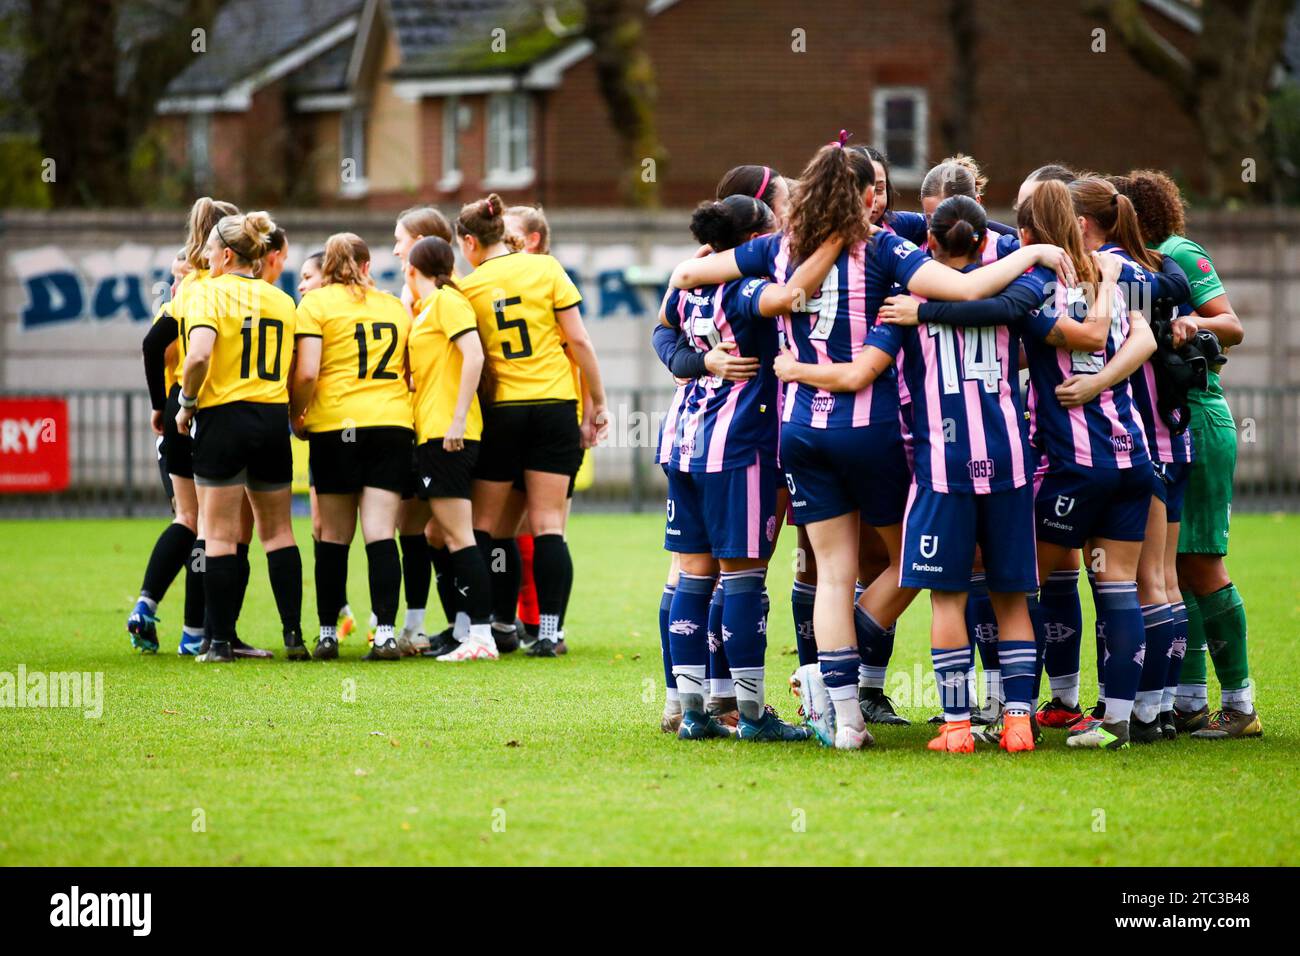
{"x":827,"y":201}
{"x":1157,"y":201}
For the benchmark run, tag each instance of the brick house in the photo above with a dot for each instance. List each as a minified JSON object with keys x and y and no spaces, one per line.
{"x":386,"y":102}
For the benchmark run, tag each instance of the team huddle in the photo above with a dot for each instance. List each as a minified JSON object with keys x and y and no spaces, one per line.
{"x":455,"y":452}
{"x":854,"y":371}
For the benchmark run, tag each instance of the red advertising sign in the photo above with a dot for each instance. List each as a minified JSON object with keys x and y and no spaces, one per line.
{"x":33,"y":444}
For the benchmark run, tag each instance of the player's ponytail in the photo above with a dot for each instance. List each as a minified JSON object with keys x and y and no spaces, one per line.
{"x":1096,"y":199}
{"x":204,"y":215}
{"x":958,"y":226}
{"x":483,"y":219}
{"x":247,"y":235}
{"x":727,"y":223}
{"x":1048,"y":215}
{"x":346,"y":256}
{"x":828,"y":199}
{"x":434,"y":259}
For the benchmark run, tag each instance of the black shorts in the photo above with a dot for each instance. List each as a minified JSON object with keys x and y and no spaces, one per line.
{"x":522,"y":488}
{"x":343,"y":462}
{"x":445,"y":474}
{"x":529,"y":437}
{"x":168,"y":490}
{"x":411,"y":489}
{"x":243,"y":443}
{"x":177,"y":450}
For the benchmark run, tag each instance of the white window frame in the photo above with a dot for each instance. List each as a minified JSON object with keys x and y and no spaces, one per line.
{"x":353,"y":123}
{"x":920,"y":97}
{"x":198,"y":145}
{"x":508,"y":143}
{"x":454,"y":120}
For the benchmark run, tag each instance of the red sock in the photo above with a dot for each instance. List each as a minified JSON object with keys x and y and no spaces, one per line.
{"x":528,"y":611}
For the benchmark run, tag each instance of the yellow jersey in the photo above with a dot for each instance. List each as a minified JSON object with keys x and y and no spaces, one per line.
{"x":362,"y":382}
{"x":436,"y":364}
{"x":516,"y":297}
{"x":254,"y":322}
{"x":172,"y":370}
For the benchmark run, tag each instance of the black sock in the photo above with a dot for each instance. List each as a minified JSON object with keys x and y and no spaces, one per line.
{"x":284,"y":568}
{"x":194,"y":597}
{"x":221,"y":591}
{"x":416,"y":571}
{"x":331,"y":578}
{"x":169,"y":554}
{"x":473,"y":581}
{"x":385,"y":580}
{"x":444,"y":578}
{"x":501,"y":555}
{"x":553,"y":571}
{"x":241,"y":551}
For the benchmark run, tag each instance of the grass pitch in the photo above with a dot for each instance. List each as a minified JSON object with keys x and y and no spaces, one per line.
{"x":561,"y":761}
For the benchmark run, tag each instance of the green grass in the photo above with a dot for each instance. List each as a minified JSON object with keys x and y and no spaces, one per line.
{"x":567,"y":753}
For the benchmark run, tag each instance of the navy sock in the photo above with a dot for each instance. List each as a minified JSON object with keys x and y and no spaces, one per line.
{"x":719,"y":666}
{"x":1040,"y":645}
{"x":951,"y":673}
{"x":1177,"y":650}
{"x":745,"y":637}
{"x":665,"y":616}
{"x":982,"y":623}
{"x":840,"y":671}
{"x":1158,"y":632}
{"x":688,"y":644}
{"x":875,"y":648}
{"x":802,"y":597}
{"x":1099,"y":636}
{"x":1062,"y":622}
{"x":1120,"y":619}
{"x":1019,"y":660}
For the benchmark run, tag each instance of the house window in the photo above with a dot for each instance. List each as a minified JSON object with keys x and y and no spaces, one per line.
{"x":900,"y":116}
{"x":509,"y":141}
{"x":199,"y":138}
{"x":451,"y":126}
{"x":352,"y":155}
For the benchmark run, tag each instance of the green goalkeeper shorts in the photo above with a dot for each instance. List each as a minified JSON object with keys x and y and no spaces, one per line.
{"x":1207,"y":509}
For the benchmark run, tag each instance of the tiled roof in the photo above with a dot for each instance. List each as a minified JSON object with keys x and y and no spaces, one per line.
{"x":456,"y":36}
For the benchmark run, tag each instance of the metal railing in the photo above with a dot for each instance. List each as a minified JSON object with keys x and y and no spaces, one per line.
{"x":114,"y":470}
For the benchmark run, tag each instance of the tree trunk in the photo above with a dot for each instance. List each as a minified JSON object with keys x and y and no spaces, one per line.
{"x":1223,"y":87}
{"x":625,"y":74}
{"x":89,"y":114}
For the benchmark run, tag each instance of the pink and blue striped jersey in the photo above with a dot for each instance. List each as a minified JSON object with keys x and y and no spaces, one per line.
{"x":836,"y":326}
{"x":1107,"y":431}
{"x":718,"y":424}
{"x":966,"y":413}
{"x":1162,"y":445}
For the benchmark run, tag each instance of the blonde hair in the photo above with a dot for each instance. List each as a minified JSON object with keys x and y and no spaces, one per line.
{"x":204,"y":215}
{"x":345,"y":254}
{"x":958,"y":175}
{"x":247,"y":235}
{"x":534,"y":220}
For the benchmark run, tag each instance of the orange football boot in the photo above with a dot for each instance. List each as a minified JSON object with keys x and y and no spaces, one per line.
{"x":1017,"y":733}
{"x":954,"y":738}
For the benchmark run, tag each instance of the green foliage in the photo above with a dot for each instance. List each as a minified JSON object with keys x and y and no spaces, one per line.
{"x":287,"y":771}
{"x":1284,"y":125}
{"x":21,"y":185}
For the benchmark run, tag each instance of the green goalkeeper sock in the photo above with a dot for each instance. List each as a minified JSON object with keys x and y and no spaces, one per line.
{"x":1224,"y":615}
{"x":1192,"y":693}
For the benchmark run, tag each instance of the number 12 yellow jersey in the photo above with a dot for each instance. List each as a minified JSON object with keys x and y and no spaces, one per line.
{"x":516,"y":297}
{"x":362,"y":382}
{"x":254,"y":322}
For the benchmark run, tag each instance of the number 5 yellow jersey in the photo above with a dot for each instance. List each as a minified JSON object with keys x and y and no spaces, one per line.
{"x":362,"y":381}
{"x":516,"y":297}
{"x":254,"y":322}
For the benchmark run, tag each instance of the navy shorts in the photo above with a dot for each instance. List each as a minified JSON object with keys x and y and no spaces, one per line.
{"x":1171,"y":487}
{"x":941,"y":531}
{"x":1075,"y":504}
{"x":836,"y":471}
{"x":729,"y":514}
